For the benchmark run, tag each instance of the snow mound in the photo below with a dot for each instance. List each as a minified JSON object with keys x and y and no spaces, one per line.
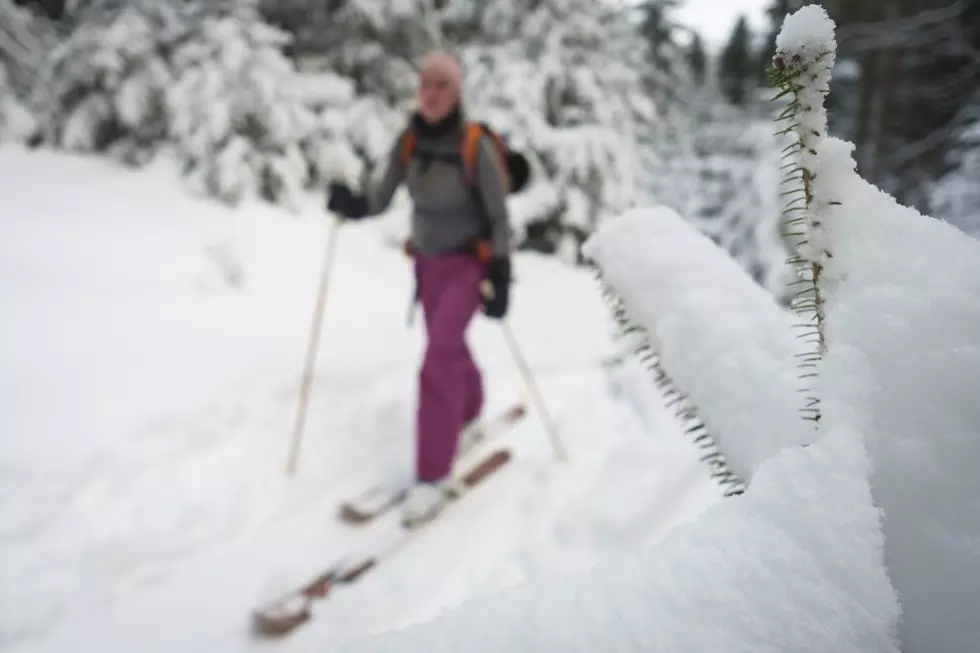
{"x":755,"y":573}
{"x":904,"y":306}
{"x":720,"y":335}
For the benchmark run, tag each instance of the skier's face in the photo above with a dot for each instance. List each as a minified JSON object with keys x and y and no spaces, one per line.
{"x":437,"y":95}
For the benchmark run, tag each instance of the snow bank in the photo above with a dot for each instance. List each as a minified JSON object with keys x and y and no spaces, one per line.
{"x":720,"y":336}
{"x":904,"y":292}
{"x":753,"y":574}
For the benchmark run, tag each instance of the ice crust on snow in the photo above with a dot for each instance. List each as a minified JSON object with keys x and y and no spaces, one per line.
{"x":721,"y":336}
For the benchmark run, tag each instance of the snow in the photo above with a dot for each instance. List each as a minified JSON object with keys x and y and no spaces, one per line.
{"x":722,"y":337}
{"x":904,"y":313}
{"x":808,"y":31}
{"x":151,"y":354}
{"x":753,"y":574}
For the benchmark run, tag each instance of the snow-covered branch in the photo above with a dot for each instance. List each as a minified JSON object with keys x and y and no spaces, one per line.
{"x":721,"y":336}
{"x":634,"y":339}
{"x":805,"y":54}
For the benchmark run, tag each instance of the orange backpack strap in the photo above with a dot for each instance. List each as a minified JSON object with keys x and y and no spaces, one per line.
{"x":471,"y":144}
{"x":407,"y":143}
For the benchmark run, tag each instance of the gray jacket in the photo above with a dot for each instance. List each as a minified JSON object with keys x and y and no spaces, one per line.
{"x":445,"y":213}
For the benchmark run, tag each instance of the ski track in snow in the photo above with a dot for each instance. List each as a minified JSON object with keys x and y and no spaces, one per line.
{"x":154,"y":365}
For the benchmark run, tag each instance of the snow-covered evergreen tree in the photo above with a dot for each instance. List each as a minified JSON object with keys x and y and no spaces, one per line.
{"x":377,"y":43}
{"x":956,"y":197}
{"x":738,"y":181}
{"x":721,"y":171}
{"x":17,"y":123}
{"x":365,"y":84}
{"x":103,"y":89}
{"x":738,"y":64}
{"x":352,"y":134}
{"x":205,"y":79}
{"x":698,"y":59}
{"x":25,"y":39}
{"x":566,"y":81}
{"x":235,"y":113}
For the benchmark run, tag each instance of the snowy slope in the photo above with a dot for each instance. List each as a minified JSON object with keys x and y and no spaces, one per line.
{"x":150,"y":351}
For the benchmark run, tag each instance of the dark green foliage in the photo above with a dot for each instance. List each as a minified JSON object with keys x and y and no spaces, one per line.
{"x":698,"y":60}
{"x":737,"y":65}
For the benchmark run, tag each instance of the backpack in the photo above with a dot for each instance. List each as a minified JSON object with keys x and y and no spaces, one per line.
{"x":515,"y":165}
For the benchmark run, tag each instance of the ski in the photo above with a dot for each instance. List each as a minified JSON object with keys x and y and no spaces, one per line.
{"x":379,"y":499}
{"x":283,"y":615}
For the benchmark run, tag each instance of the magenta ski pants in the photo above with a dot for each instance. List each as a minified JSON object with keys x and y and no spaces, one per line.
{"x":450,"y":385}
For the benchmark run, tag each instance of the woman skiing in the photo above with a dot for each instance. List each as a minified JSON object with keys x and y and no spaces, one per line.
{"x":460,"y":239}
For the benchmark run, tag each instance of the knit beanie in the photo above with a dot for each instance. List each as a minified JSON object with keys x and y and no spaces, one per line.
{"x":446,"y":65}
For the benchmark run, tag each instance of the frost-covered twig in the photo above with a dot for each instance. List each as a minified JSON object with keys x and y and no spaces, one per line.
{"x":724,"y":338}
{"x":685,"y":411}
{"x":805,"y":54}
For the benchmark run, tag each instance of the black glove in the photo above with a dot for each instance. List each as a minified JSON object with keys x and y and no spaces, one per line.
{"x":344,"y":202}
{"x":497,"y":276}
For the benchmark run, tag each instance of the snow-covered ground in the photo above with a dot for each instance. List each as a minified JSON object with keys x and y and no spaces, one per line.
{"x":151,"y":347}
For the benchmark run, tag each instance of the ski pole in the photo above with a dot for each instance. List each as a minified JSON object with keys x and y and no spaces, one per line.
{"x":532,"y":387}
{"x":311,"y":348}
